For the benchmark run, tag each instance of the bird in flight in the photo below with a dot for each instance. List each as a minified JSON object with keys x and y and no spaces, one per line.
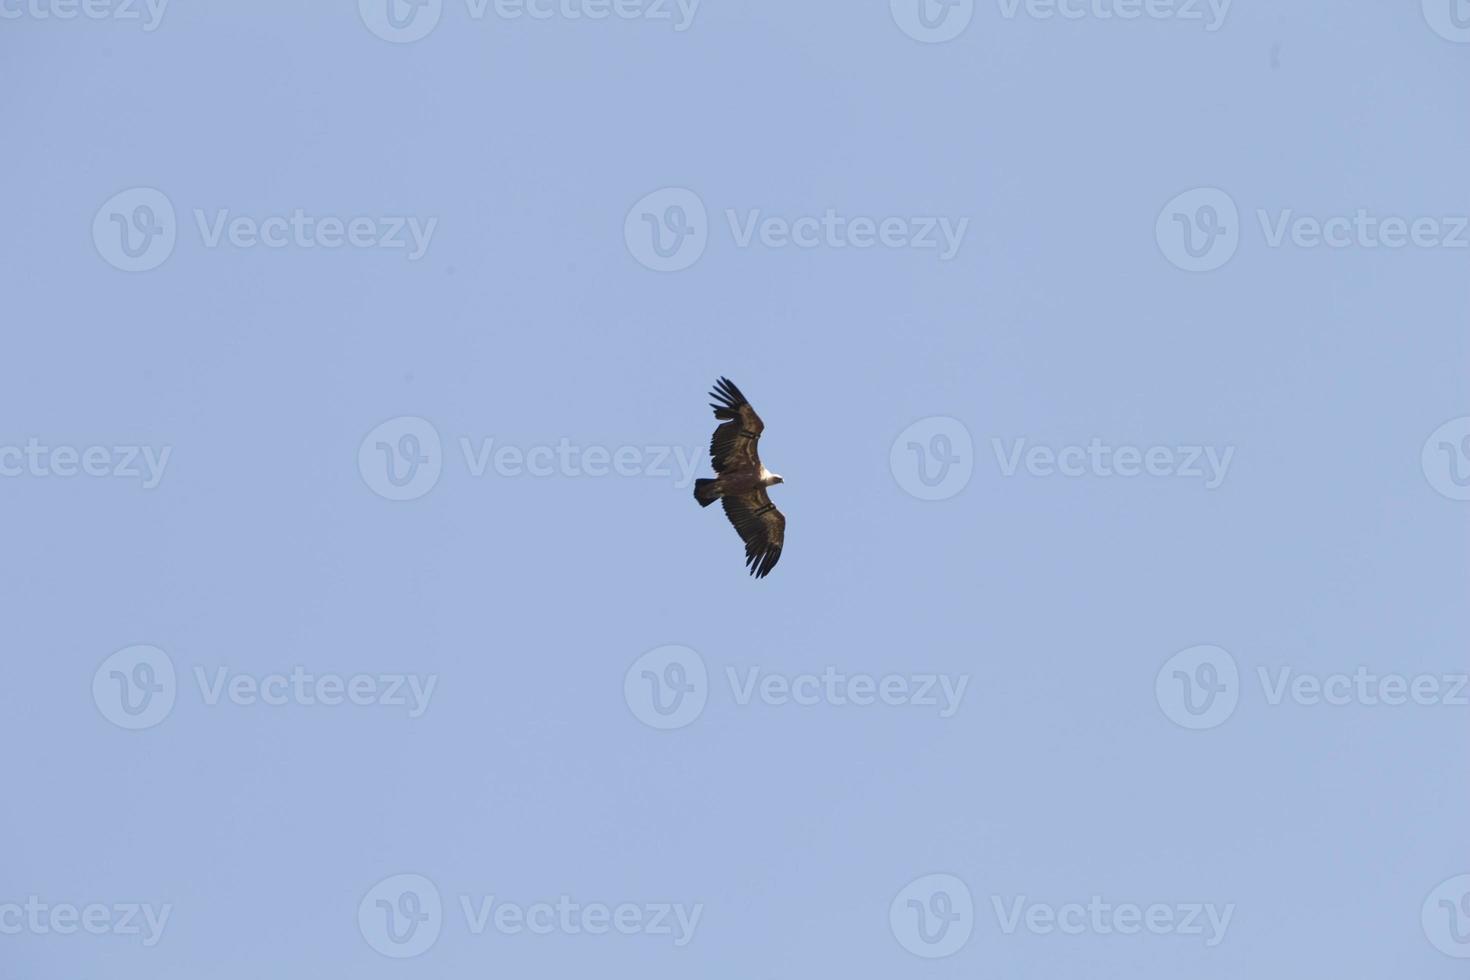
{"x":742,"y":481}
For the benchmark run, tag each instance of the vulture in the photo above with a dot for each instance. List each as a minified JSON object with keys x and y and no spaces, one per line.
{"x":742,"y":481}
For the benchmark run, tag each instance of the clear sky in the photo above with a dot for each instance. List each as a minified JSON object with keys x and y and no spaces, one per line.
{"x":354,"y":364}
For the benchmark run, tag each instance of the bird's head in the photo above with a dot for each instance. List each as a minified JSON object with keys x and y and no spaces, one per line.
{"x":777,"y":478}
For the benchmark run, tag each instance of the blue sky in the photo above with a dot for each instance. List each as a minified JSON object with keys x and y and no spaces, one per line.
{"x":361,"y":620}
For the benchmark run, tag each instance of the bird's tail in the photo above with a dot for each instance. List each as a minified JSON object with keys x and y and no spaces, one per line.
{"x":706,"y":491}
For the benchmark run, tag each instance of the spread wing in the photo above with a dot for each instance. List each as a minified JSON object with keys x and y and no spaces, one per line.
{"x":760,"y":525}
{"x":733,"y":446}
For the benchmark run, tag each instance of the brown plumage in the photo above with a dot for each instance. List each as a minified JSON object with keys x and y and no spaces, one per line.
{"x":742,"y":481}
